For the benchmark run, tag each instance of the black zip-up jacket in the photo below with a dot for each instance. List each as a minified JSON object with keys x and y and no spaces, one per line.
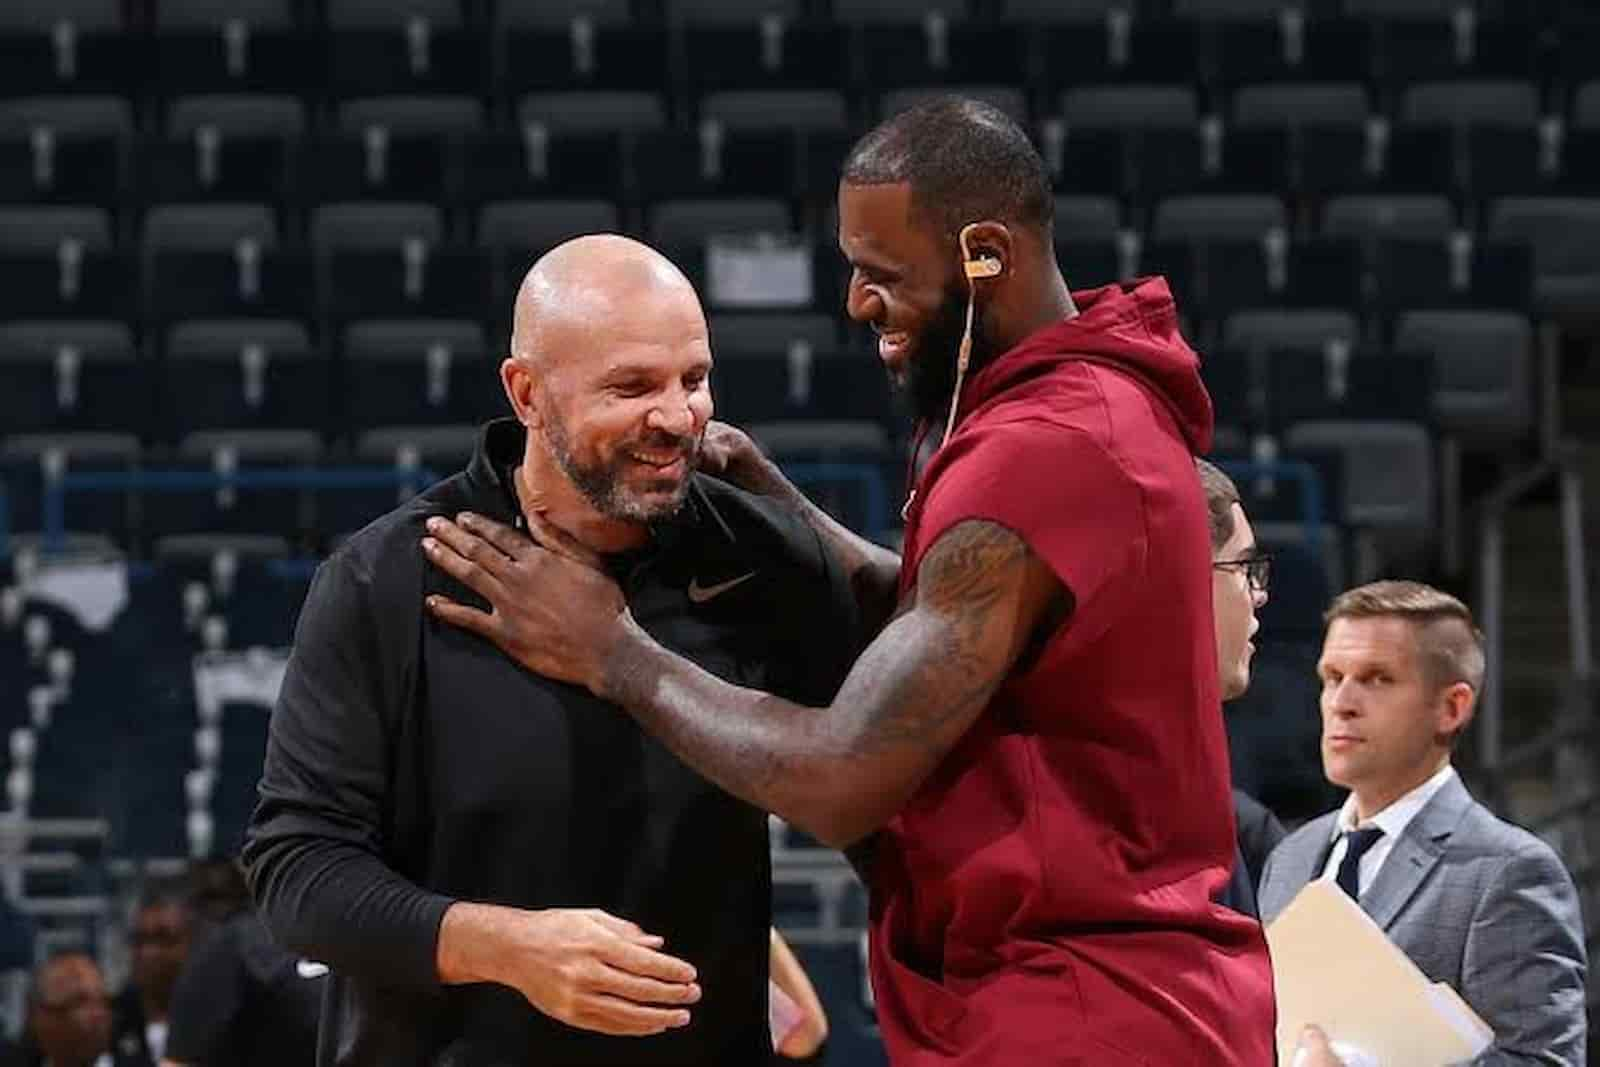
{"x":411,"y":764}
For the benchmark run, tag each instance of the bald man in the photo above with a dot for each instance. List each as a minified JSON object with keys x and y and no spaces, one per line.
{"x":500,"y":868}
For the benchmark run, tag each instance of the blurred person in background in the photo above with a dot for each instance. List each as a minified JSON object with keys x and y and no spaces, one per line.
{"x":1240,"y":571}
{"x":1475,"y":902}
{"x":159,"y":938}
{"x":69,"y":1016}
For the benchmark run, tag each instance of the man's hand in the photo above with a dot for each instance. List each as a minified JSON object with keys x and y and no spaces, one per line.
{"x":582,"y":967}
{"x":1313,"y":1050}
{"x":554,"y":610}
{"x":727,"y":452}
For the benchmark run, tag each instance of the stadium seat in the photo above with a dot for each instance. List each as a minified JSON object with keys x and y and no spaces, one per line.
{"x":208,"y":227}
{"x":247,"y":281}
{"x":1201,"y":218}
{"x":1302,"y":104}
{"x":590,"y":111}
{"x":628,"y":57}
{"x":1303,"y":329}
{"x":766,"y":56}
{"x":714,"y":161}
{"x":514,"y":13}
{"x":374,"y":226}
{"x":244,"y":374}
{"x":771,"y":333}
{"x":224,"y":147}
{"x":1564,"y":234}
{"x":1382,"y":217}
{"x":1483,"y":361}
{"x":65,"y":376}
{"x":1389,"y":480}
{"x":1460,"y":271}
{"x":536,"y":163}
{"x":417,"y":373}
{"x":40,"y":167}
{"x":1457,"y":103}
{"x":68,"y":282}
{"x":31,"y":463}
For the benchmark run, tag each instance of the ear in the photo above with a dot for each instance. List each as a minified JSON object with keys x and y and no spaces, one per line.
{"x":519,"y":382}
{"x":1456,"y":706}
{"x":989,"y":249}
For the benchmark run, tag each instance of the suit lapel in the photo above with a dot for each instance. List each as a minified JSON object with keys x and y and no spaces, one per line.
{"x":1415,"y":854}
{"x":1296,"y":862}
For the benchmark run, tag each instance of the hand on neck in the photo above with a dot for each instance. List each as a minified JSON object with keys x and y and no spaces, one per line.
{"x":542,"y":488}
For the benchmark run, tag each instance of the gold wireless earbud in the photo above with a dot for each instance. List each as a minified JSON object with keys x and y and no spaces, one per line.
{"x":977,"y":266}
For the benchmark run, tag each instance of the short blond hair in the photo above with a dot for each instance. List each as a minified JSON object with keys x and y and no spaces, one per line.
{"x":1448,"y":639}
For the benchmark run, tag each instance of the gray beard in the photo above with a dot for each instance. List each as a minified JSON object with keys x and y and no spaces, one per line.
{"x":601,"y":484}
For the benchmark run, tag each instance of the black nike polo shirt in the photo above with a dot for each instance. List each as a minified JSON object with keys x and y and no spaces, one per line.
{"x":411,"y":764}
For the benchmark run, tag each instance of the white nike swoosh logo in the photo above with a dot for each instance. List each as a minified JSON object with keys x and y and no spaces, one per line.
{"x":699,"y":594}
{"x":310,"y":969}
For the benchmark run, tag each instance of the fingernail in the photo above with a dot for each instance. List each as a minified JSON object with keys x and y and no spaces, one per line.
{"x":694,"y":994}
{"x":681,"y":1019}
{"x":434,"y":523}
{"x":429,"y":545}
{"x":466,"y":518}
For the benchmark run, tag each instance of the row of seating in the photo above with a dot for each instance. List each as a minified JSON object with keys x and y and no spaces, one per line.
{"x":118,"y":14}
{"x":1141,"y":143}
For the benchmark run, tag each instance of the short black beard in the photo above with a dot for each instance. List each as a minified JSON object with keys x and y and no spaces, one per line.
{"x":601,"y":484}
{"x":930,"y":378}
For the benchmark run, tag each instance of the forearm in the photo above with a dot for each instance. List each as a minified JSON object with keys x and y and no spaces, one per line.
{"x":873,"y":571}
{"x":838,"y":773}
{"x":337,"y":903}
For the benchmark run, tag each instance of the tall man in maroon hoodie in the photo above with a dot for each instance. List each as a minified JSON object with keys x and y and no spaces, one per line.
{"x":1033,"y":740}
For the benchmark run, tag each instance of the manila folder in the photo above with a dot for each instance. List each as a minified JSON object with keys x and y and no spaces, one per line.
{"x":1333,"y":966}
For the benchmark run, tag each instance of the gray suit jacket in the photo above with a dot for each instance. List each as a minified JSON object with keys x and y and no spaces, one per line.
{"x":1477,"y":903}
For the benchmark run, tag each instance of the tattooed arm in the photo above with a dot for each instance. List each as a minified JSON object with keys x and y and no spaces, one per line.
{"x":980,"y":599}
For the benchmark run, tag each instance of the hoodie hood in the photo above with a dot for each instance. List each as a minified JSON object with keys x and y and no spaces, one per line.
{"x":1132,"y":327}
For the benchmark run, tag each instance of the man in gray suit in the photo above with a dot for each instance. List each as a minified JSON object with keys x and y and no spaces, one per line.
{"x":1473,"y":900}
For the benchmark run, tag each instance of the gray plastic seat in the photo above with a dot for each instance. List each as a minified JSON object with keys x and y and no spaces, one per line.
{"x":1483,"y":368}
{"x":1062,"y":11}
{"x":199,"y":227}
{"x":1007,"y":99}
{"x":1382,"y":217}
{"x":739,"y":334}
{"x":1305,"y":330}
{"x":1488,"y":103}
{"x":533,"y":14}
{"x":1323,"y":104}
{"x":731,"y":12}
{"x":543,"y":223}
{"x":1130,"y":106}
{"x":812,"y":437}
{"x":237,"y":115}
{"x":413,"y":115}
{"x":891,"y":11}
{"x":1564,"y":233}
{"x":1403,"y":9}
{"x":445,"y":448}
{"x":253,"y":446}
{"x":40,"y":229}
{"x":67,"y":116}
{"x":764,"y":109}
{"x":676,"y":223}
{"x":383,"y":339}
{"x":621,"y":112}
{"x":1227,"y":9}
{"x":374,"y":226}
{"x":1087,"y":218}
{"x":1586,"y":106}
{"x":76,"y":447}
{"x":205,"y":14}
{"x":1389,"y":479}
{"x":40,"y":341}
{"x":45,"y":15}
{"x":391,"y":14}
{"x":1213,"y":218}
{"x":202,"y":339}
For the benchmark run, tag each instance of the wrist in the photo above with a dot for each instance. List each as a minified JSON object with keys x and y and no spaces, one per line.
{"x":468,"y":944}
{"x":623,"y":662}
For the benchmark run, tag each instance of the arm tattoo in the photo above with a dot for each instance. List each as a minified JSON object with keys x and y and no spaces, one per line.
{"x":842,"y":772}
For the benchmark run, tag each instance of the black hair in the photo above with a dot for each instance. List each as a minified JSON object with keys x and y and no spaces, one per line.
{"x":964,"y":160}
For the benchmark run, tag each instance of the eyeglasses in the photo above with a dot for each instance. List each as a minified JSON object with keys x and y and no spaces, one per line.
{"x":1257,"y":568}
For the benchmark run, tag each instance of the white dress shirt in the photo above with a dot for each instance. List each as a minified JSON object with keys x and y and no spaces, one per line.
{"x":1392,"y":820}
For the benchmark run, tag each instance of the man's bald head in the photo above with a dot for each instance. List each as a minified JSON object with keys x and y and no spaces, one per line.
{"x":609,"y":371}
{"x":587,"y":290}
